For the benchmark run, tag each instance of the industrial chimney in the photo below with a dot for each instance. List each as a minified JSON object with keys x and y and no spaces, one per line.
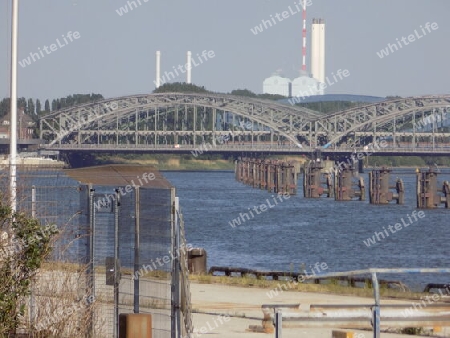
{"x":189,"y":68}
{"x":304,"y":38}
{"x":318,"y":50}
{"x":158,"y":69}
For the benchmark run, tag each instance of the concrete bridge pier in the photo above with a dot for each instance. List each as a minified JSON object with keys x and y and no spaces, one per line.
{"x":238,"y":170}
{"x":278,"y":184}
{"x":428,"y":194}
{"x":252,"y":172}
{"x":263,"y":175}
{"x":271,"y":171}
{"x":313,"y":186}
{"x":361,"y":166}
{"x":291,"y":179}
{"x":345,"y":189}
{"x":275,"y":176}
{"x":379,"y":188}
{"x":256,"y":173}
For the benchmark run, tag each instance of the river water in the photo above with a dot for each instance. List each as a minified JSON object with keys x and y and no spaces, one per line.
{"x":300,"y":231}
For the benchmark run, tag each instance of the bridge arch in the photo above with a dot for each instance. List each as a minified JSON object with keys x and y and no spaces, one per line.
{"x":412,"y":118}
{"x":170,"y":119}
{"x":169,"y":116}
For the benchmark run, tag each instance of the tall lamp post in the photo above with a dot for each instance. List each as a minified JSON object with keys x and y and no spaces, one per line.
{"x":13,"y":133}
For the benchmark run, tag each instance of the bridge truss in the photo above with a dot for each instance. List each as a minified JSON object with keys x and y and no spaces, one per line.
{"x":175,"y":120}
{"x":162,"y":119}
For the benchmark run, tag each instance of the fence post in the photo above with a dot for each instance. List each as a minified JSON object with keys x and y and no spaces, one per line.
{"x":137,"y":258}
{"x":278,"y":324}
{"x":116,"y":263}
{"x":91,"y":268}
{"x":32,"y":300}
{"x":376,"y":308}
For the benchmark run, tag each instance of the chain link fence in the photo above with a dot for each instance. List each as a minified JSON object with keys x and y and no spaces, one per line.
{"x":120,"y":249}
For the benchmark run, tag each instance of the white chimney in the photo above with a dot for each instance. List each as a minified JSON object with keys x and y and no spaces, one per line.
{"x":158,"y":69}
{"x":318,"y":50}
{"x":189,"y":68}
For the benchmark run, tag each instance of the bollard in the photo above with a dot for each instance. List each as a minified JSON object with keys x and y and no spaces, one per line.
{"x":135,"y":325}
{"x":279,"y":324}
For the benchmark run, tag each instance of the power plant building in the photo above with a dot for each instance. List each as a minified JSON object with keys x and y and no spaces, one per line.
{"x":277,"y":85}
{"x":306,"y":86}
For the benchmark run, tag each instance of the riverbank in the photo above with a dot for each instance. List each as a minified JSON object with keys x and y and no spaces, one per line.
{"x":218,"y":162}
{"x":242,"y":308}
{"x":182,"y":162}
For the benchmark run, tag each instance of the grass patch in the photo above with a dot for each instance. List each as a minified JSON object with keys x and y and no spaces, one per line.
{"x":333,"y":287}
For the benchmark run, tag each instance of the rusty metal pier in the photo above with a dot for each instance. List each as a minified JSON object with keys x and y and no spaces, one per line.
{"x":347,"y":185}
{"x":429,"y":196}
{"x":379,"y":187}
{"x":272,"y":175}
{"x":316,"y":182}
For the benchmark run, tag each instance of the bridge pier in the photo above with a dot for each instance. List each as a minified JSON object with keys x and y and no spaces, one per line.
{"x":291,"y":179}
{"x":361,"y":166}
{"x":262,"y":175}
{"x":428,"y":196}
{"x":345,"y":189}
{"x":313,"y":186}
{"x":275,"y":176}
{"x":379,"y":187}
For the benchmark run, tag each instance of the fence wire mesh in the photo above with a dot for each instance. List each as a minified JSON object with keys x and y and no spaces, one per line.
{"x":71,"y":296}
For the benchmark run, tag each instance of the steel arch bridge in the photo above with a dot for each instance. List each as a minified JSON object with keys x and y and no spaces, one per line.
{"x":176,"y":122}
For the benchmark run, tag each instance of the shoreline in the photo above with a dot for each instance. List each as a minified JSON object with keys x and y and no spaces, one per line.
{"x":243,"y":305}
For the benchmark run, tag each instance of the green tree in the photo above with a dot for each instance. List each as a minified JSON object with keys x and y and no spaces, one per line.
{"x":179,"y":87}
{"x":47,"y":106}
{"x":243,"y":92}
{"x":273,"y":97}
{"x":5,"y":106}
{"x":22,"y":104}
{"x":54,"y":105}
{"x":38,"y":107}
{"x":31,"y":108}
{"x":24,"y":246}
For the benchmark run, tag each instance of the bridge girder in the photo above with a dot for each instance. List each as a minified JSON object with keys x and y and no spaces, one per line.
{"x":382,"y":118}
{"x":282,"y":119}
{"x":122,"y":117}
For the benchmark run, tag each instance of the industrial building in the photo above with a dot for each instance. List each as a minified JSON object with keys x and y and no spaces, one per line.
{"x":277,"y":85}
{"x":306,"y":84}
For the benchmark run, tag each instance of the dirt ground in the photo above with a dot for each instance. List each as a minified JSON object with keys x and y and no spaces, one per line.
{"x":242,"y":306}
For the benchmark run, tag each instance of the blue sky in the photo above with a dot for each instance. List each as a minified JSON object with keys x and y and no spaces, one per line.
{"x":115,"y":55}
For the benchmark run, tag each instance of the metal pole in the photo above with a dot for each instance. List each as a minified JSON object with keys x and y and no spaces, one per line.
{"x":33,"y":215}
{"x":175,"y":308}
{"x":177,"y":266}
{"x":434,"y":128}
{"x":136,"y":249}
{"x":278,"y":324}
{"x":376,"y":308}
{"x":13,"y":134}
{"x":116,"y":265}
{"x":91,"y":269}
{"x":33,"y":201}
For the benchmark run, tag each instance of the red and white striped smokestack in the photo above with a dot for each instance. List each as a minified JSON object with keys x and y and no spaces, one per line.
{"x":304,"y":37}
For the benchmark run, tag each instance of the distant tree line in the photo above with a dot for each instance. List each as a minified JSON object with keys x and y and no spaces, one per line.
{"x":34,"y":108}
{"x":182,"y":87}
